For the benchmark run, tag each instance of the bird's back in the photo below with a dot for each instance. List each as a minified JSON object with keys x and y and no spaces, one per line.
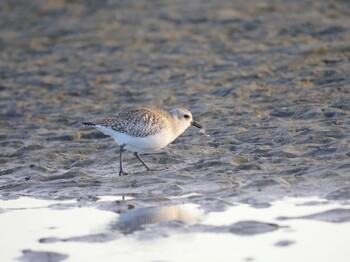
{"x":138,"y":122}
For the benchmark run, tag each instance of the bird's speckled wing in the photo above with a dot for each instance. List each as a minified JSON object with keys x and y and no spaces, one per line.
{"x":138,"y":122}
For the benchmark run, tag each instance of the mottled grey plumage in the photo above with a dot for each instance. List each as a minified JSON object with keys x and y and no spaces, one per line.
{"x":137,"y":122}
{"x":144,"y":129}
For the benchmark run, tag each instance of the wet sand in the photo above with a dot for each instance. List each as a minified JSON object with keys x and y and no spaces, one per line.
{"x":269,"y":80}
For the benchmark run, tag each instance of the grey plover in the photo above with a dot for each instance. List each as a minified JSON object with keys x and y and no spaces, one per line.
{"x":144,"y":129}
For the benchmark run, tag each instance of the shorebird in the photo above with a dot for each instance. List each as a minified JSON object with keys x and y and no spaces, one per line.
{"x":144,"y":129}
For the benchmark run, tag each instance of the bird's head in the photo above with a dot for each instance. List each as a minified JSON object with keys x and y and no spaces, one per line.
{"x":184,"y":119}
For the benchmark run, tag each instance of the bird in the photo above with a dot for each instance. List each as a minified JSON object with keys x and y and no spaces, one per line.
{"x":144,"y":130}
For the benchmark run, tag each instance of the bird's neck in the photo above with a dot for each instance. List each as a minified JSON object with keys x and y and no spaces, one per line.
{"x":178,"y":129}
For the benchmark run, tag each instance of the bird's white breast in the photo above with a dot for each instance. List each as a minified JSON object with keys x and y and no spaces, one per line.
{"x":139,"y":144}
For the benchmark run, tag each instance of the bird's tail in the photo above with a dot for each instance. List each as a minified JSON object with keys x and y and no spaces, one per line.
{"x":88,"y":124}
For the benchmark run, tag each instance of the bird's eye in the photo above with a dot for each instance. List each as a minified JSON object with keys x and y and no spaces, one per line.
{"x":186,"y":116}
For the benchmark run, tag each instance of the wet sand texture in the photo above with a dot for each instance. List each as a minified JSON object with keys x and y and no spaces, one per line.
{"x":268,"y":79}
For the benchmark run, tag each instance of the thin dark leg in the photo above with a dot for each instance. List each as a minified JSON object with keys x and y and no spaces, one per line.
{"x":143,"y":162}
{"x":121,"y":171}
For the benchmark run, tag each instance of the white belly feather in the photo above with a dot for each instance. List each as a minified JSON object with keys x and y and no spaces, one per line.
{"x":139,"y":144}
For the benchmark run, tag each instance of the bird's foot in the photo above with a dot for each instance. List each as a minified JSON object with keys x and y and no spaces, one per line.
{"x":123,"y":173}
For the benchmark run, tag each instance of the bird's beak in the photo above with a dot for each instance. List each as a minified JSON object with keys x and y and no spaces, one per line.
{"x":194,"y":123}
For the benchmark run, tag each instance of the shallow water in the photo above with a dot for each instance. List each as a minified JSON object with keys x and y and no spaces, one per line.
{"x":288,"y":230}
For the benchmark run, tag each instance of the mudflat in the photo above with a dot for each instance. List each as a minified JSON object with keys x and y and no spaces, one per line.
{"x":269,"y":80}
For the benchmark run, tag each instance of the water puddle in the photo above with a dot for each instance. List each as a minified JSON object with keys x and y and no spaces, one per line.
{"x":113,"y":198}
{"x":286,"y":230}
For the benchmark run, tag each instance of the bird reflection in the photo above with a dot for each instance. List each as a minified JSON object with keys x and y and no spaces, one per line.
{"x":136,"y":219}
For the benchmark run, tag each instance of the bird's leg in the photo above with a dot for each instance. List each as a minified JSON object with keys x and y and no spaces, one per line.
{"x":121,"y":171}
{"x":143,"y":162}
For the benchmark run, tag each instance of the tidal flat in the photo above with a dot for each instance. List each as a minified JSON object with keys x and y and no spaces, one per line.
{"x":269,"y":80}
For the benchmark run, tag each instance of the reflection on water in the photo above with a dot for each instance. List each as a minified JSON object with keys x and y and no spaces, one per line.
{"x":36,"y":229}
{"x":137,"y":219}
